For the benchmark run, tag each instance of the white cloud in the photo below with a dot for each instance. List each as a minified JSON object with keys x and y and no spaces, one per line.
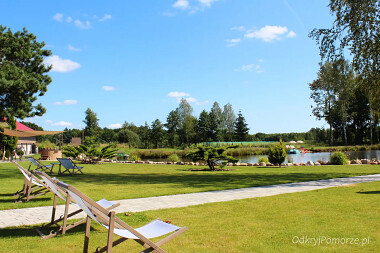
{"x":108,"y":88}
{"x":181,"y":4}
{"x":72,"y":48}
{"x":178,"y":94}
{"x":238,"y":28}
{"x":191,"y":100}
{"x":114,"y":126}
{"x":105,"y":17}
{"x":251,"y":68}
{"x":267,"y":33}
{"x":62,"y":123}
{"x":206,"y":3}
{"x":61,"y":65}
{"x":58,"y":17}
{"x":49,"y":121}
{"x":291,"y":34}
{"x":82,"y":25}
{"x":67,"y":102}
{"x":69,"y":19}
{"x":233,"y":42}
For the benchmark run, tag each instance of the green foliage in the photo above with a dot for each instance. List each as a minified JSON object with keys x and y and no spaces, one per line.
{"x":90,"y":154}
{"x":92,"y":126}
{"x":22,"y":73}
{"x":211,"y":155}
{"x":46,"y":144}
{"x":240,"y":128}
{"x":338,"y":158}
{"x":20,"y":153}
{"x":90,"y":141}
{"x":356,"y":29}
{"x":263,"y":159}
{"x":173,"y":158}
{"x":8,"y":142}
{"x":7,"y":154}
{"x":134,"y":158}
{"x":126,"y":135}
{"x":277,"y":153}
{"x":157,"y":133}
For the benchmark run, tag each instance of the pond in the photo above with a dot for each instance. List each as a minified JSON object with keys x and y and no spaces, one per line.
{"x":321,"y":156}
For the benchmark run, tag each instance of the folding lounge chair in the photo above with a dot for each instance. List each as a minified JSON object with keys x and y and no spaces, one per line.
{"x":70,"y":166}
{"x":39,"y":165}
{"x":115,"y":225}
{"x":59,"y":193}
{"x":33,"y":186}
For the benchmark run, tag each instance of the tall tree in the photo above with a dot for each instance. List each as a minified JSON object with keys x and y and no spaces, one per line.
{"x":157,"y":133}
{"x":356,"y":28}
{"x":241,"y":128}
{"x":92,"y":126}
{"x":187,"y":121}
{"x":173,"y":125}
{"x":218,"y":112}
{"x":331,"y":92}
{"x":228,"y":121}
{"x":184,"y":110}
{"x":144,"y":133}
{"x":22,"y":73}
{"x":203,"y":127}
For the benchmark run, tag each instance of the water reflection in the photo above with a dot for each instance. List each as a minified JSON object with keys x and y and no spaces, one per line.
{"x":314,"y":157}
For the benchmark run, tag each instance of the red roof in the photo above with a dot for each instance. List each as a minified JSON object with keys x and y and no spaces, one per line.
{"x":20,"y":126}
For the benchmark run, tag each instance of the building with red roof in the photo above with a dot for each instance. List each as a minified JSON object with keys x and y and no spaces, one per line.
{"x":26,"y":144}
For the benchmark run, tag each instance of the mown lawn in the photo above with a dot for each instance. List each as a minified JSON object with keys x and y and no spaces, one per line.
{"x":267,"y":224}
{"x":125,"y":181}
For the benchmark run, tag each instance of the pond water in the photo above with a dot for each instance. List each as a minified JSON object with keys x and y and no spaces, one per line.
{"x":321,"y":156}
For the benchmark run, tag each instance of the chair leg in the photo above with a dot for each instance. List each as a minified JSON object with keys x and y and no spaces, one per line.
{"x":87,"y":235}
{"x":54,"y":209}
{"x":110,"y":231}
{"x":66,"y":213}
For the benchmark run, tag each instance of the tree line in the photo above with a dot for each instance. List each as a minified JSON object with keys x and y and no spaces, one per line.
{"x":181,"y":128}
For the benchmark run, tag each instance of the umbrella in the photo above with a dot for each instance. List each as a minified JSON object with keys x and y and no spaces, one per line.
{"x":299,"y":141}
{"x":292,"y":142}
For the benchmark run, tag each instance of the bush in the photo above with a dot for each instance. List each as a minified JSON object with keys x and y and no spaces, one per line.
{"x":338,"y":158}
{"x":20,"y":153}
{"x":263,"y":159}
{"x":173,"y":158}
{"x":8,"y":154}
{"x":277,"y":153}
{"x":134,"y":158}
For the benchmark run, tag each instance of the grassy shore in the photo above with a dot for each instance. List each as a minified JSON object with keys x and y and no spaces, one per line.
{"x":125,"y":181}
{"x":239,"y":151}
{"x":268,"y":224}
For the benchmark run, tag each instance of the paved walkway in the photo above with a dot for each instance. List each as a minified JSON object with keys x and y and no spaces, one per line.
{"x":36,"y":215}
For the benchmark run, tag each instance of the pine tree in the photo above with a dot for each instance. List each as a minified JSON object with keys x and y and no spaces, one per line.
{"x":22,"y":74}
{"x":240,"y":128}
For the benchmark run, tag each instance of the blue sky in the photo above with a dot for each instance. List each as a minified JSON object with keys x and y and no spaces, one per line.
{"x":133,"y":60}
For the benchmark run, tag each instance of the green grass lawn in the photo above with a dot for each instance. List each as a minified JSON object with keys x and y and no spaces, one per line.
{"x":125,"y":181}
{"x":267,"y":224}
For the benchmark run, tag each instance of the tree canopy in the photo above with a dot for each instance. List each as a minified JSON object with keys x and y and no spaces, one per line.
{"x":22,"y":73}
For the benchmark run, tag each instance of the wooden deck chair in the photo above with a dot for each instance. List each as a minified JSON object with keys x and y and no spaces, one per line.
{"x":69,"y":166}
{"x":39,"y":165}
{"x":59,"y":193}
{"x":33,"y":186}
{"x":115,"y":225}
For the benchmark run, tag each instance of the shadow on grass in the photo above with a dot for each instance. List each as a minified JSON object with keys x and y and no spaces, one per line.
{"x":369,"y":192}
{"x":216,"y":179}
{"x":15,"y":198}
{"x":30,"y":231}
